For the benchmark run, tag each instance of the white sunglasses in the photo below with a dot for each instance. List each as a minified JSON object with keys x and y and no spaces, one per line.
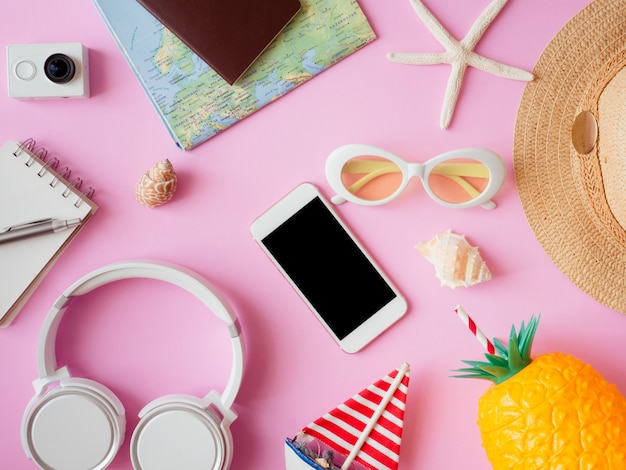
{"x":370,"y":175}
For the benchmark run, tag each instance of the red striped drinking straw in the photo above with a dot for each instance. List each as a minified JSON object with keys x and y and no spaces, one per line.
{"x":480,"y":336}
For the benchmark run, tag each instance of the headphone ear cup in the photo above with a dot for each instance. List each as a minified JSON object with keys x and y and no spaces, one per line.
{"x":74,"y":424}
{"x":182,"y":431}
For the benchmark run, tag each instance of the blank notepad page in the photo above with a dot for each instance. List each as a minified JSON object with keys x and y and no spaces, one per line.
{"x":32,"y":189}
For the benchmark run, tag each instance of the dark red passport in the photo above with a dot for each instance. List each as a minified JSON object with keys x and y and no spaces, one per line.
{"x":228,"y":35}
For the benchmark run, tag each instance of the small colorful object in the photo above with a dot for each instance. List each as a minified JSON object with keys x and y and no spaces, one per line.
{"x":456,"y":262}
{"x":157,"y":186}
{"x":364,"y":433}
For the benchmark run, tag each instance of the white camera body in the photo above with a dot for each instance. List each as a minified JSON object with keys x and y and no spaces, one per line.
{"x":48,"y":71}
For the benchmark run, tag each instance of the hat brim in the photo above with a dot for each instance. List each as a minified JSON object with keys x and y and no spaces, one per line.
{"x":561,"y":190}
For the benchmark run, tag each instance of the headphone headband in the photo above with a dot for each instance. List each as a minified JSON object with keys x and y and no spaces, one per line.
{"x":188,"y":280}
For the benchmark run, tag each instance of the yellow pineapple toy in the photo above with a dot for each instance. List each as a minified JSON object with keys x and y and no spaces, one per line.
{"x":552,"y":412}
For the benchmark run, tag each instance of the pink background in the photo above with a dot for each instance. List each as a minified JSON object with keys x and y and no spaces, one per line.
{"x":144,"y":342}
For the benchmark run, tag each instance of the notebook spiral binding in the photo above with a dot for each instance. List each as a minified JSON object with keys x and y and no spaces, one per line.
{"x":49,"y":165}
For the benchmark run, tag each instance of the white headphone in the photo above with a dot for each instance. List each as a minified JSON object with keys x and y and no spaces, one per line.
{"x":78,"y":424}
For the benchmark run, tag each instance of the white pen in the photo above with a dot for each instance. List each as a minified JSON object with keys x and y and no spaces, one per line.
{"x":37,"y":227}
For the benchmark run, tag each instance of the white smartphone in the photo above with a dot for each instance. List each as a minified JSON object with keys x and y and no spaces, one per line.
{"x":328,"y":267}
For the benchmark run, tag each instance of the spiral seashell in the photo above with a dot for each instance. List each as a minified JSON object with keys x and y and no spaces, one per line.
{"x":456,"y":262}
{"x":157,"y":185}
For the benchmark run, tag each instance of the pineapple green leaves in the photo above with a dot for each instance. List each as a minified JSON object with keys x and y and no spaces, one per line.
{"x":509,"y":360}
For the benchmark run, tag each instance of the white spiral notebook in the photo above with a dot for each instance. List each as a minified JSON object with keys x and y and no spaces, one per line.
{"x":34,"y":186}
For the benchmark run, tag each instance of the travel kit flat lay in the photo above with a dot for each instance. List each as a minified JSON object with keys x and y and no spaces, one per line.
{"x":550,"y":411}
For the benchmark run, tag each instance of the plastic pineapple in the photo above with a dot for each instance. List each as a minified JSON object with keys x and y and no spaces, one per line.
{"x":551,"y":412}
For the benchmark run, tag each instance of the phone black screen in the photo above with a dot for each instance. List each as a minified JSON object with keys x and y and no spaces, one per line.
{"x":329,"y":268}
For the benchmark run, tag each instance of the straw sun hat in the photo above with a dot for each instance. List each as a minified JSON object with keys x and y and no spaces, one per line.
{"x":569,"y":151}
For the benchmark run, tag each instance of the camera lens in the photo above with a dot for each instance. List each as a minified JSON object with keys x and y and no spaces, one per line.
{"x":59,"y":68}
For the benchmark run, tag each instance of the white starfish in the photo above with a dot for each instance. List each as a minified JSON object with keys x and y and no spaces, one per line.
{"x":459,"y":54}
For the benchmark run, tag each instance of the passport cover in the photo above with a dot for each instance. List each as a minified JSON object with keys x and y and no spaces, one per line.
{"x":228,"y":35}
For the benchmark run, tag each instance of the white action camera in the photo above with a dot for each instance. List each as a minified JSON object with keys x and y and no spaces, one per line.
{"x":48,"y":71}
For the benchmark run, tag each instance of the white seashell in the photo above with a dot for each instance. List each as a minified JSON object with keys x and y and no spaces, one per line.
{"x":457,"y":263}
{"x":157,"y":185}
{"x":322,"y":462}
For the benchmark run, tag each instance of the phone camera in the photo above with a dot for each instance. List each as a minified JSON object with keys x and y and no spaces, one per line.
{"x":59,"y":68}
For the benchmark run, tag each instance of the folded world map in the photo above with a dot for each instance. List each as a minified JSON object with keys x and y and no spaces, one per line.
{"x":193,"y":101}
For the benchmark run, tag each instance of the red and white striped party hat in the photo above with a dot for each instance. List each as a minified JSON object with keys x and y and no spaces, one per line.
{"x":366,"y":429}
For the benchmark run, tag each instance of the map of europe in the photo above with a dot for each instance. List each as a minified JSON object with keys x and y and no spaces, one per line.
{"x":193,"y":101}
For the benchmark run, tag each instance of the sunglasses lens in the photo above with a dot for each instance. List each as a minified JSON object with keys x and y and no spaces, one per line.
{"x":371,"y":178}
{"x":459,"y":180}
